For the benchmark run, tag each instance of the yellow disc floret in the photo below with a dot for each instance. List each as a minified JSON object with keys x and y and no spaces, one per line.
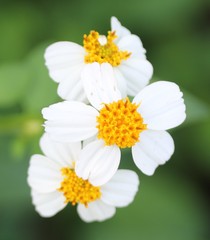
{"x":102,"y":49}
{"x":120,"y":123}
{"x":76,"y":190}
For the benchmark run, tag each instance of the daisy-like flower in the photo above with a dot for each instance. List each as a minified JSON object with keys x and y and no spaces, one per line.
{"x":121,"y":49}
{"x":54,"y":183}
{"x":120,"y":123}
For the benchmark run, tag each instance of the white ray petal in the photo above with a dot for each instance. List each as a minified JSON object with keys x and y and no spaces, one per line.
{"x":100,"y":84}
{"x":121,"y":82}
{"x":63,"y":153}
{"x":153,"y":149}
{"x":60,"y":57}
{"x":44,"y":174}
{"x":70,"y":121}
{"x":161,"y":105}
{"x":97,"y":162}
{"x":120,"y":30}
{"x":132,"y":44}
{"x":96,"y":211}
{"x":121,"y":189}
{"x":71,"y":87}
{"x":137,"y":72}
{"x":48,"y":204}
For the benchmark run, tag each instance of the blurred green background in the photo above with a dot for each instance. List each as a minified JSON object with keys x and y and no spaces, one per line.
{"x":174,"y":203}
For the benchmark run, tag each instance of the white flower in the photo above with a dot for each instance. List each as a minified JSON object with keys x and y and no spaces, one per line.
{"x":121,"y":49}
{"x":54,"y":183}
{"x":119,"y":123}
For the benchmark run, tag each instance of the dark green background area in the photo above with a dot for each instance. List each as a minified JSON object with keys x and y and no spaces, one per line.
{"x":174,"y":202}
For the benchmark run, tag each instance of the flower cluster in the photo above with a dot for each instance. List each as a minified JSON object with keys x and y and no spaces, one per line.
{"x":84,"y":133}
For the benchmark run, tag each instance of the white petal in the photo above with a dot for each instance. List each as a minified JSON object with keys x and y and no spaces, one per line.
{"x":64,"y":154}
{"x":121,"y":189}
{"x":132,"y":44}
{"x":60,"y":57}
{"x":97,"y":162}
{"x":137,"y":73}
{"x":99,"y":84}
{"x":120,"y":30}
{"x":89,"y":140}
{"x":161,"y":105}
{"x":44,"y":174}
{"x":48,"y":204}
{"x":121,"y":82}
{"x":71,"y":88}
{"x":154,"y":148}
{"x":96,"y":211}
{"x":70,"y":121}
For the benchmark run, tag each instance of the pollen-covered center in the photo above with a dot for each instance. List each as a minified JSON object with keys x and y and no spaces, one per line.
{"x":119,"y":123}
{"x":102,"y":49}
{"x":76,"y":190}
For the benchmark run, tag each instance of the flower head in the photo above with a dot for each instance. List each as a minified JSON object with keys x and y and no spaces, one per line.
{"x":55,"y":182}
{"x":102,"y":49}
{"x":119,"y":123}
{"x":121,"y":49}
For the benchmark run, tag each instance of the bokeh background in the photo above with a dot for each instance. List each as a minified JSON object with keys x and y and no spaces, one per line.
{"x":172,"y":204}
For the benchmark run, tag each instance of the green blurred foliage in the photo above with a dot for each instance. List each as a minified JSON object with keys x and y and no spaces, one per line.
{"x":174,"y":203}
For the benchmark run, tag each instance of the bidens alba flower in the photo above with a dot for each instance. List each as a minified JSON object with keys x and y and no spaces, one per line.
{"x":120,"y":123}
{"x":121,"y":49}
{"x":55,"y":183}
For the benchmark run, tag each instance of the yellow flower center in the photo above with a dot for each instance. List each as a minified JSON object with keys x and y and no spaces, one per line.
{"x":119,"y":123}
{"x":76,"y":190}
{"x":102,"y":49}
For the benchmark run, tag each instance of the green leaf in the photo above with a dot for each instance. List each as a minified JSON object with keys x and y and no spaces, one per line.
{"x":42,"y":90}
{"x":14,"y":79}
{"x":192,"y":143}
{"x":196,"y":109}
{"x":22,"y":25}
